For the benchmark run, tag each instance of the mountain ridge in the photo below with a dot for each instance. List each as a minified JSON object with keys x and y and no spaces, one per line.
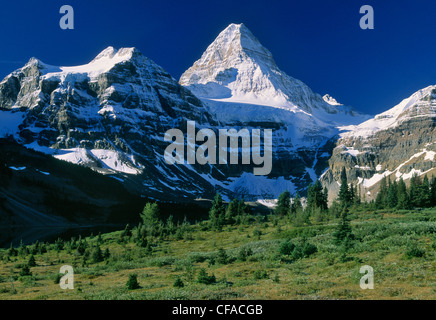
{"x":111,"y":115}
{"x":108,"y":114}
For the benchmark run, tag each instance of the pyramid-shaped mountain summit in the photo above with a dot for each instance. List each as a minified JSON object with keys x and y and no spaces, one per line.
{"x":236,"y":67}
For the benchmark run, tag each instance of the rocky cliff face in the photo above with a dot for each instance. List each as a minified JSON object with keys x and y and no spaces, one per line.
{"x":395,"y":144}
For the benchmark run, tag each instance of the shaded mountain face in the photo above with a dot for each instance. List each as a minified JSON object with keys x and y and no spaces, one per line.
{"x":39,"y":190}
{"x":394,"y":144}
{"x":240,"y":84}
{"x":43,"y":198}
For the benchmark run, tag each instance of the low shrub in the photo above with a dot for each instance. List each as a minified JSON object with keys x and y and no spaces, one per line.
{"x":204,"y":278}
{"x":132,"y":283}
{"x":414,"y":252}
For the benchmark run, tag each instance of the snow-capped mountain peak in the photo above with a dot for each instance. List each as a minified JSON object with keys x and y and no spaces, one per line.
{"x":234,"y":65}
{"x":236,"y":68}
{"x":109,"y":52}
{"x":102,"y":63}
{"x":239,"y":38}
{"x":33,"y":61}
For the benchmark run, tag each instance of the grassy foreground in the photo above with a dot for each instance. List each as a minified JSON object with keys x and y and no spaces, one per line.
{"x":264,"y":258}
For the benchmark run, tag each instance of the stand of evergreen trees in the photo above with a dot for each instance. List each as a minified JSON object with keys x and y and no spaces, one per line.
{"x":421,"y":193}
{"x":316,"y":205}
{"x":220,"y":215}
{"x":392,"y":195}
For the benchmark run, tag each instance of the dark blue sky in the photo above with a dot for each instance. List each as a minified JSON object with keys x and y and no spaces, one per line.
{"x":318,"y":42}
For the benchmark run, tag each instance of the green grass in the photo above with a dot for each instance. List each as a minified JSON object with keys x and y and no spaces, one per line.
{"x":400,"y":246}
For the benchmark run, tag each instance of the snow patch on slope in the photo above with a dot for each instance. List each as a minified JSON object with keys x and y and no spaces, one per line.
{"x":114,"y":160}
{"x":351,"y":151}
{"x":428,"y":155}
{"x":367,"y":183}
{"x":109,"y":159}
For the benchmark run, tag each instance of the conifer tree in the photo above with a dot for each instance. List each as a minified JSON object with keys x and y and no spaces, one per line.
{"x":344,"y":231}
{"x":392,"y":196}
{"x":97,"y":254}
{"x":132,"y":283}
{"x":414,"y":190}
{"x":25,"y":271}
{"x":204,"y":278}
{"x":296,"y":206}
{"x":217,"y":213}
{"x":232,"y":211}
{"x":311,"y":199}
{"x":31,"y":262}
{"x":170,"y":226}
{"x":326,"y":197}
{"x":425,"y":193}
{"x":433,"y":191}
{"x":403,"y":196}
{"x":106,"y":254}
{"x":283,"y":204}
{"x":316,"y":199}
{"x":242,"y":208}
{"x":381,"y":199}
{"x":150,"y":218}
{"x":178,"y":283}
{"x":420,"y":192}
{"x":12,"y":252}
{"x":344,"y":192}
